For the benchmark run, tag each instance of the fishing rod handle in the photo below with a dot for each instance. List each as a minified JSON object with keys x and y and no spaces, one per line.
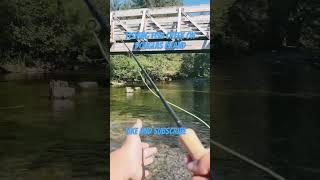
{"x":192,"y":144}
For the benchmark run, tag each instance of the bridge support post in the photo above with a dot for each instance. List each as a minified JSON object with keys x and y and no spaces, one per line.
{"x":143,"y":20}
{"x":179,"y":20}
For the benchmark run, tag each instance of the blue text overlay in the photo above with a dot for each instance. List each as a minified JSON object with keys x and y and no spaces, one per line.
{"x":175,"y":39}
{"x":156,"y":131}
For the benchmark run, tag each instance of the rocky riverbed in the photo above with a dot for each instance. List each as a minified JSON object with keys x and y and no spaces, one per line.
{"x":168,"y":164}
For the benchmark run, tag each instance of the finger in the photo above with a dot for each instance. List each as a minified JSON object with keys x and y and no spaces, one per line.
{"x":192,"y":166}
{"x":149,"y":152}
{"x":198,"y":168}
{"x":148,"y":161}
{"x":134,"y":139}
{"x":138,"y":125}
{"x":187,"y":159}
{"x":144,"y":145}
{"x":146,"y":173}
{"x":199,"y":178}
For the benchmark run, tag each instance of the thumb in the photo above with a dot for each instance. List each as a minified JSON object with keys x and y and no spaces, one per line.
{"x":134,"y":138}
{"x":198,"y":167}
{"x":193,"y":166}
{"x":138,"y":125}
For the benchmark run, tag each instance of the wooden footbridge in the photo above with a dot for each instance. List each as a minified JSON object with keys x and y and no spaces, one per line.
{"x":161,"y":30}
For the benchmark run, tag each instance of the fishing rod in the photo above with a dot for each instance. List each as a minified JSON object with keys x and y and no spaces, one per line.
{"x":163,"y":100}
{"x":97,"y":15}
{"x":190,"y":140}
{"x":102,"y":21}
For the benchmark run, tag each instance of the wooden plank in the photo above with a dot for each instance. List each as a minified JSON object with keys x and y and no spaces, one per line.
{"x":163,"y":10}
{"x":195,"y":24}
{"x":166,"y":27}
{"x":118,"y":22}
{"x":156,"y":23}
{"x":170,"y":19}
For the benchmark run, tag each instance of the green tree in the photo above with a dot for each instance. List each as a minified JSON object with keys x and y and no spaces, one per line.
{"x":47,"y":30}
{"x":41,"y":29}
{"x":243,"y":26}
{"x":115,"y":5}
{"x":7,"y":12}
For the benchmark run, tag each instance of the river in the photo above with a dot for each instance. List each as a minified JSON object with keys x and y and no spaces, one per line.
{"x":67,"y":139}
{"x":270,"y":113}
{"x":44,"y":139}
{"x":192,"y":95}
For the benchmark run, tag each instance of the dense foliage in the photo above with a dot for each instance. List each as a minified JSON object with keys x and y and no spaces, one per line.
{"x":55,"y":31}
{"x":46,"y":30}
{"x":161,"y":66}
{"x":242,"y":26}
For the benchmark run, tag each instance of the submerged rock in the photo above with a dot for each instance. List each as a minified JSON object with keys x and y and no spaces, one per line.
{"x":129,"y":90}
{"x":60,"y":90}
{"x":88,"y":85}
{"x":117,"y":83}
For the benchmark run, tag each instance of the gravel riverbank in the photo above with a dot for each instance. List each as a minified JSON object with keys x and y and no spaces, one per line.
{"x":168,"y":164}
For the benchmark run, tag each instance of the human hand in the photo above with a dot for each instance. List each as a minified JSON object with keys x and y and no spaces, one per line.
{"x":200,"y":169}
{"x":128,"y":162}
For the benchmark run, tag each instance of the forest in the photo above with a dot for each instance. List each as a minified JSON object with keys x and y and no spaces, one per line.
{"x":47,"y":33}
{"x":245,"y":27}
{"x":54,"y":34}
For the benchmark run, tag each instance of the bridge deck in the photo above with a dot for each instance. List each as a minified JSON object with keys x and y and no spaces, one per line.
{"x":186,"y":19}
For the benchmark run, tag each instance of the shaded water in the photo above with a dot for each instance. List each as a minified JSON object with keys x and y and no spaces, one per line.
{"x":193,"y":95}
{"x":44,"y":139}
{"x":270,"y":113}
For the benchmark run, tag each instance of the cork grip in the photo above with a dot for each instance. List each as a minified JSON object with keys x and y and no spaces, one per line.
{"x":193,"y":145}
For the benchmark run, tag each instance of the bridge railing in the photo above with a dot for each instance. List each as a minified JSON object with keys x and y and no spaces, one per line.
{"x":167,"y":19}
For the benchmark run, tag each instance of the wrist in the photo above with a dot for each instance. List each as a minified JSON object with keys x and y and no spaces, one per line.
{"x":118,"y":165}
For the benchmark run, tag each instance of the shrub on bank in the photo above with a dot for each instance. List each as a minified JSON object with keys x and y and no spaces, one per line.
{"x":160,"y":66}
